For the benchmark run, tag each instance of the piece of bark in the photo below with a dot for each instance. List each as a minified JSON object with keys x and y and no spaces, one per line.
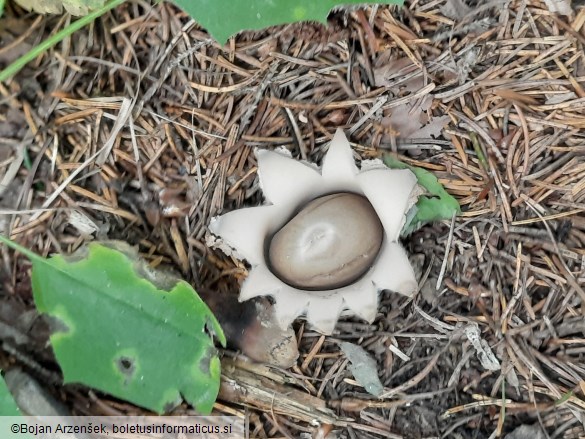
{"x":269,"y":390}
{"x":31,"y":398}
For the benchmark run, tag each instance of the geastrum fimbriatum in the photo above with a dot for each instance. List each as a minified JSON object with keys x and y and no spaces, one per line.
{"x":328,"y":240}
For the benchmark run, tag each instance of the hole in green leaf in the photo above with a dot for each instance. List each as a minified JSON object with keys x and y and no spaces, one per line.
{"x":126,"y":365}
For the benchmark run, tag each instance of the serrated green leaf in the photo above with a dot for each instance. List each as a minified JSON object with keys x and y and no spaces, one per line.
{"x":437,"y":205}
{"x":224,"y":18}
{"x":8,"y":406}
{"x":121,"y":334}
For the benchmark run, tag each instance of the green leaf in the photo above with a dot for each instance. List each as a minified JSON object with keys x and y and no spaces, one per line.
{"x":438,"y":206}
{"x":1,"y":7}
{"x":124,"y":329}
{"x":8,"y":406}
{"x":223,"y":18}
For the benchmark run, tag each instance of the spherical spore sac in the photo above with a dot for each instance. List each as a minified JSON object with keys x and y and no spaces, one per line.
{"x":330,"y":243}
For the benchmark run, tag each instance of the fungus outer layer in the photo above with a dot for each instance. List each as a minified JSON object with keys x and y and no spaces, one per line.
{"x":330,"y":243}
{"x":288,"y":184}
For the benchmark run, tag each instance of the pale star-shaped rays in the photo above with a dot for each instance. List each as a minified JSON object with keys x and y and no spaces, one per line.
{"x":323,"y":312}
{"x":362,"y":298}
{"x":260,"y":282}
{"x":245,"y":229}
{"x":389,"y":192}
{"x":339,"y":169}
{"x":289,"y":304}
{"x":392,"y":271}
{"x":284,"y":180}
{"x":287,"y":184}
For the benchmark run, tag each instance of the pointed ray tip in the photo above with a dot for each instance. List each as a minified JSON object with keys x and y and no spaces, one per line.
{"x":340,"y":137}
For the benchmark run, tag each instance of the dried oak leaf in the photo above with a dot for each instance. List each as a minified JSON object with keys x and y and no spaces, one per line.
{"x":386,"y":74}
{"x":413,"y":120}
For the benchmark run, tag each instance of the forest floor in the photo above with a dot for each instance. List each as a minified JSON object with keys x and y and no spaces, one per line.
{"x":489,"y":98}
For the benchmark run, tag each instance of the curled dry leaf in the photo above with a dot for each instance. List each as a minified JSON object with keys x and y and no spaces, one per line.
{"x":363,"y":367}
{"x":484,"y":352}
{"x":252,"y":328}
{"x":413,"y":120}
{"x":84,"y":225}
{"x":386,"y":74}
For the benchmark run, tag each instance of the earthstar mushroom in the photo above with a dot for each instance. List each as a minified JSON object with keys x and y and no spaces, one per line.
{"x":328,"y":242}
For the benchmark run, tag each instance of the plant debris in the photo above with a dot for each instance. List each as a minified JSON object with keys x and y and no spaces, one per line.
{"x":562,"y":7}
{"x":484,"y":352}
{"x":363,"y":367}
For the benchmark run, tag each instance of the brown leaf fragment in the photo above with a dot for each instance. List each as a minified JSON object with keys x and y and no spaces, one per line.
{"x":432,"y":129}
{"x":251,"y":327}
{"x":386,"y":74}
{"x":414,"y":121}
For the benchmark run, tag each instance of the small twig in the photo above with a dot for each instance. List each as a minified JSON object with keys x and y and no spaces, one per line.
{"x":415,"y":379}
{"x":446,"y":256}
